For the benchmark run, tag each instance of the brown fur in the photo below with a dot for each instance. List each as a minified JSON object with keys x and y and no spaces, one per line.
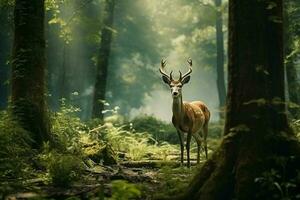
{"x":196,"y":116}
{"x":194,"y":122}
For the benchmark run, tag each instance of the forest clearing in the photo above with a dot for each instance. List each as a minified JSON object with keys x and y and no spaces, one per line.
{"x":149,"y":99}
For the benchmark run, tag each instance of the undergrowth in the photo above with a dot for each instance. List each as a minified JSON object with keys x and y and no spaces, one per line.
{"x":78,"y":145}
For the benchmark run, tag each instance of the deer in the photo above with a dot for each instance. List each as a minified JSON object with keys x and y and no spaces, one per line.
{"x":189,"y":118}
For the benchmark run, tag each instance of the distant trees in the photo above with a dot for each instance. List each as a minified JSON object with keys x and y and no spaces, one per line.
{"x":220,"y":57}
{"x":103,"y":60}
{"x":28,"y":70}
{"x":257,"y":134}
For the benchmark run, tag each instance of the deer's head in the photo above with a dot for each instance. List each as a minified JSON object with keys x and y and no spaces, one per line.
{"x":175,"y":85}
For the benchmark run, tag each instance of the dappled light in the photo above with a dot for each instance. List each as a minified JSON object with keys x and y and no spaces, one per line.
{"x":149,"y":99}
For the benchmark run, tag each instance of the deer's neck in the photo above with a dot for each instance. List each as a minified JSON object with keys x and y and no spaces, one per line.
{"x":178,"y":108}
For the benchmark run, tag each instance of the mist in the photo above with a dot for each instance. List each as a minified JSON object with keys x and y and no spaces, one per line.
{"x":144,"y":32}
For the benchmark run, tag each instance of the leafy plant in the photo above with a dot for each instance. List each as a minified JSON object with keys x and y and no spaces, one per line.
{"x":122,"y":190}
{"x":62,"y":169}
{"x":67,"y":128}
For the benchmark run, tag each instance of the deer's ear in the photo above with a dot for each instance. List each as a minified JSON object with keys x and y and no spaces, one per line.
{"x":186,"y":80}
{"x":166,"y":79}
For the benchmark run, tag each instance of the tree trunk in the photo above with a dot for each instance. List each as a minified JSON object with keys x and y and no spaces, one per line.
{"x":220,"y":58}
{"x":257,"y":136}
{"x":103,"y":59}
{"x":291,"y":71}
{"x":28,"y":70}
{"x":63,"y":89}
{"x":4,"y":55}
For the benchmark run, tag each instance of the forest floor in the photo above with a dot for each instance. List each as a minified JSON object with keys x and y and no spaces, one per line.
{"x":149,"y":179}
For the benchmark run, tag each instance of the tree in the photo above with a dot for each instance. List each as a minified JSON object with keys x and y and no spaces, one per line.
{"x":103,"y":60}
{"x":5,"y":38}
{"x":291,"y":55}
{"x":220,"y":56}
{"x":257,"y":136}
{"x":28,"y":70}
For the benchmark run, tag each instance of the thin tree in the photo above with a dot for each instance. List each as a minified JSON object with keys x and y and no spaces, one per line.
{"x":257,"y":134}
{"x":103,"y":60}
{"x":28,"y":70}
{"x":220,"y":57}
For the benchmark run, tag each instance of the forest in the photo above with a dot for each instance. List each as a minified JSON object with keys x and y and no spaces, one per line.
{"x":149,"y":99}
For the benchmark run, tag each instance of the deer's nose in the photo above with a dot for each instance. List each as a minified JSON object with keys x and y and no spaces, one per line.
{"x":175,"y":93}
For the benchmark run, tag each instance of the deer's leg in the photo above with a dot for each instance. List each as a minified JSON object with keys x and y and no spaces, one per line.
{"x":188,"y":143}
{"x":198,"y":139}
{"x":205,"y":131}
{"x":180,"y":135}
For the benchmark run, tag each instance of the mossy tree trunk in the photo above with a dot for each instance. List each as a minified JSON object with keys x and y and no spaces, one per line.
{"x":103,"y":60}
{"x":257,"y":136}
{"x":28,"y":70}
{"x":220,"y":58}
{"x":290,"y":58}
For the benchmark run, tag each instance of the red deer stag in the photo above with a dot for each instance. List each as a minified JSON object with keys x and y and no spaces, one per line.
{"x":188,"y":117}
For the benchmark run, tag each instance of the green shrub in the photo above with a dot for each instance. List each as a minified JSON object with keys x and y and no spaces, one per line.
{"x":67,"y":128}
{"x":122,"y":190}
{"x":296,"y":127}
{"x":160,"y":130}
{"x":62,"y":169}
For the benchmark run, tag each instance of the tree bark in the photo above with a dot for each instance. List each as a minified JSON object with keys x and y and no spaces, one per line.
{"x":4,"y":55}
{"x":257,"y":135}
{"x":291,"y":71}
{"x":220,"y":58}
{"x":103,"y":60}
{"x":28,"y":70}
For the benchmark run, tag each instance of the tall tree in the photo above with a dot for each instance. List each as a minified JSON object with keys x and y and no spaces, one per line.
{"x":290,"y":33}
{"x":256,"y":132}
{"x":5,"y":37}
{"x":220,"y":57}
{"x":103,"y":60}
{"x":28,"y":69}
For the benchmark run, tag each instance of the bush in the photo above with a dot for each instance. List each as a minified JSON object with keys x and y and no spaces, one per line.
{"x":296,"y":127}
{"x":67,"y":128}
{"x":62,"y":169}
{"x":122,"y":190}
{"x":159,"y":130}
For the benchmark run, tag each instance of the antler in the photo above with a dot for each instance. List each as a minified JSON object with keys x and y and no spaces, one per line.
{"x":189,"y":72}
{"x":161,"y":70}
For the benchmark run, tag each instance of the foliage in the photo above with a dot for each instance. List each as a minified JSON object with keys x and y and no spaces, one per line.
{"x":6,"y":3}
{"x":62,"y":169}
{"x":136,"y":145}
{"x":215,"y":129}
{"x":275,"y":184}
{"x":15,"y":148}
{"x":296,"y":127}
{"x":160,"y":131}
{"x":122,"y":190}
{"x":15,"y":154}
{"x":173,"y":181}
{"x":67,"y":128}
